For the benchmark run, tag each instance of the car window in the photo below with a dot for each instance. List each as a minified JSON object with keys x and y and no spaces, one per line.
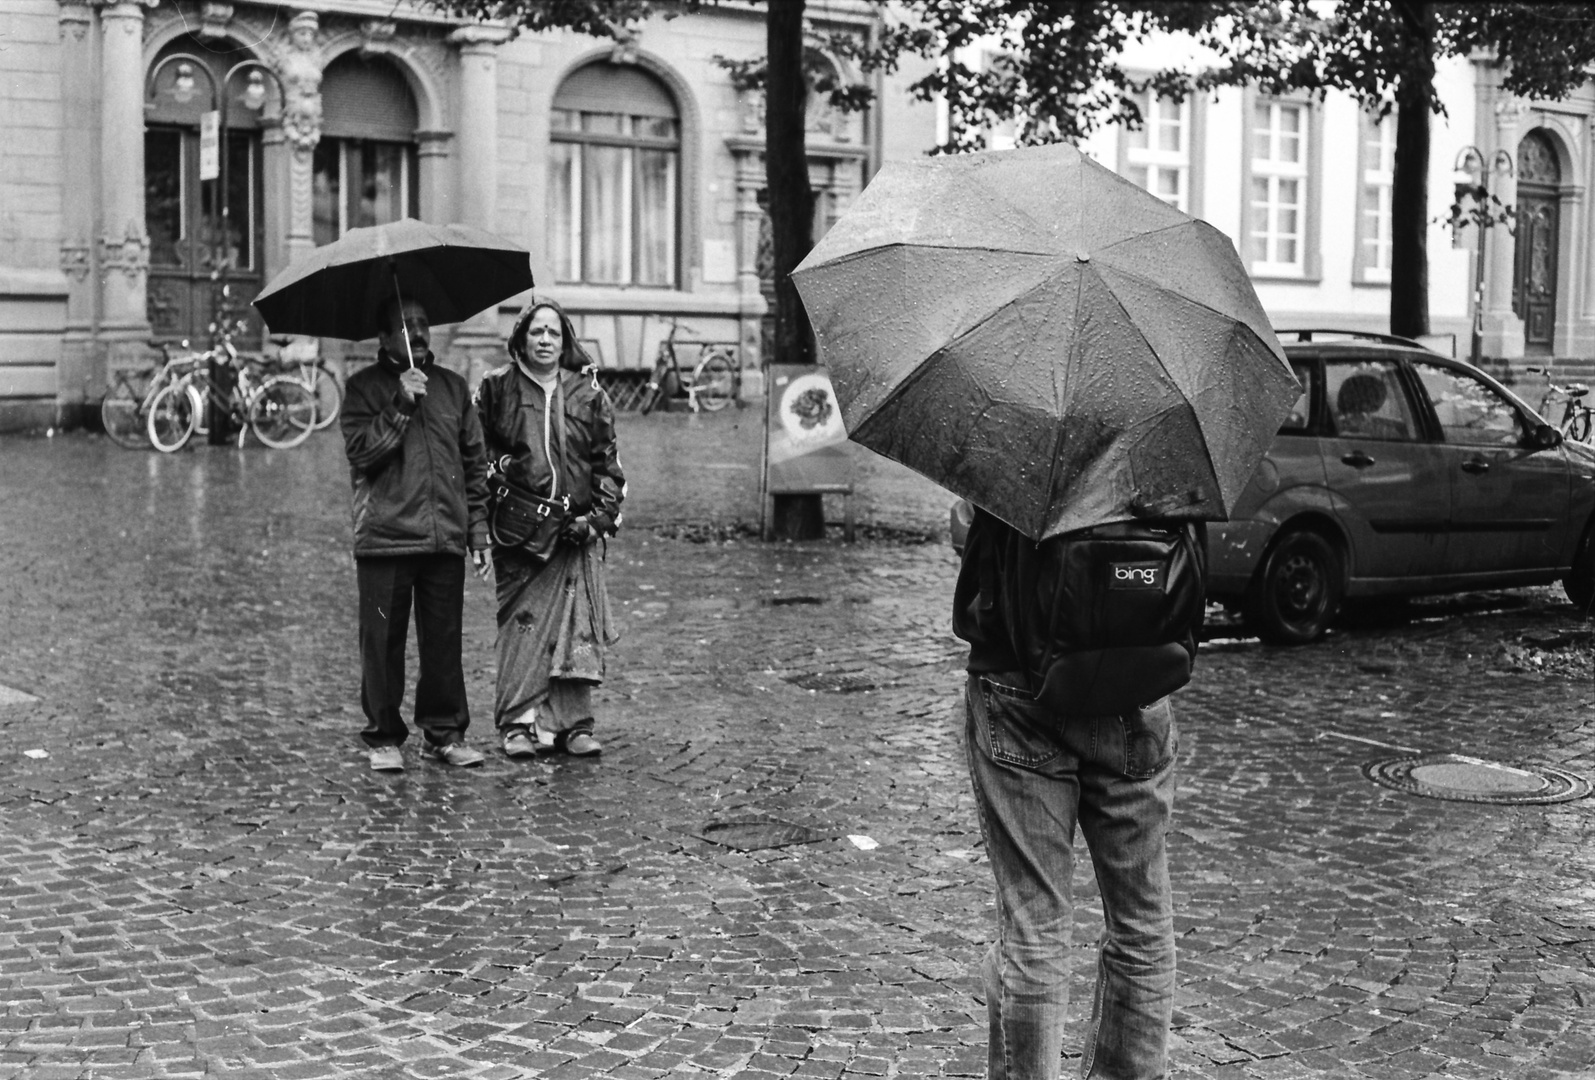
{"x":1470,"y":411}
{"x":1366,"y":400}
{"x":1301,"y":413}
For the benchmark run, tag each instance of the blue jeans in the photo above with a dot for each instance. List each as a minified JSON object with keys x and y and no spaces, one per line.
{"x":1035,"y":776}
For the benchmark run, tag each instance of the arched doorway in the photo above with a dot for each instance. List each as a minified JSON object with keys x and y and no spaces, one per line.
{"x":1534,"y":284}
{"x":182,"y":212}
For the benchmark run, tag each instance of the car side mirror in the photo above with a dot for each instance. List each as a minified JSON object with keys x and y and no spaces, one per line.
{"x":1544,"y":437}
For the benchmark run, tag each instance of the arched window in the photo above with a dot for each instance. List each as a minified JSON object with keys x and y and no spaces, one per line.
{"x":365,"y":164}
{"x":614,"y":159}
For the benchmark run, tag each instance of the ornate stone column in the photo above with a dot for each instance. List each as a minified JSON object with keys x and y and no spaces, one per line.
{"x":476,"y":345}
{"x":301,"y":127}
{"x":1503,"y":330}
{"x":77,"y":378}
{"x":124,"y":255}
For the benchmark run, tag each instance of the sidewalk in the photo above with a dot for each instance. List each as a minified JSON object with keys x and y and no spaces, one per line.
{"x":201,"y":878}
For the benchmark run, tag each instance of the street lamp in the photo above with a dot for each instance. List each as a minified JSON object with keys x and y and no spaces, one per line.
{"x":1470,"y":176}
{"x":254,"y":99}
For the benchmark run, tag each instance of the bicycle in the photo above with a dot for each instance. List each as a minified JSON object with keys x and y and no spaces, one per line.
{"x":279,"y":409}
{"x":713,"y":384}
{"x":1576,"y":421}
{"x":315,"y":374}
{"x":124,"y":410}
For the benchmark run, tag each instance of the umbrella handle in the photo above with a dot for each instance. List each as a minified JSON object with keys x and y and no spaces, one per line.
{"x":403,"y":328}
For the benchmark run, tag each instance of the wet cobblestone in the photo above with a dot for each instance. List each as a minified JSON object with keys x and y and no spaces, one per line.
{"x":203,"y":879}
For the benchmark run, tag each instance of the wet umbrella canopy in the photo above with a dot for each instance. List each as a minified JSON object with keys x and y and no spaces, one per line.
{"x":1047,"y":340}
{"x":338,"y":289}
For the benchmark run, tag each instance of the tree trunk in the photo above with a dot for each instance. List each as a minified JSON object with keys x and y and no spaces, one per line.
{"x":791,"y":202}
{"x":1409,"y":194}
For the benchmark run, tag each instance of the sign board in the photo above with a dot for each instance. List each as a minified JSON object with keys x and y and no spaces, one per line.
{"x":210,"y":145}
{"x":806,"y":448}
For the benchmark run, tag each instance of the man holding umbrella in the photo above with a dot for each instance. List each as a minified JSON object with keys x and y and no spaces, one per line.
{"x":419,"y":470}
{"x":415,"y":452}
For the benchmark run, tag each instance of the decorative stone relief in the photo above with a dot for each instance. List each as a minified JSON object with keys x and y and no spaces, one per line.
{"x":625,"y":47}
{"x":301,"y":78}
{"x":1509,"y":112}
{"x":129,"y":253}
{"x":376,"y":32}
{"x":76,"y":259}
{"x":213,"y":19}
{"x":75,"y":19}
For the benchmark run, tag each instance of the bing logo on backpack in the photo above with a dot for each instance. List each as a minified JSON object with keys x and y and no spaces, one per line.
{"x":1135,"y":575}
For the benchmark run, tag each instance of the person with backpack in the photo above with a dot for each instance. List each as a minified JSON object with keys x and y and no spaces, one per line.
{"x":1075,"y":644}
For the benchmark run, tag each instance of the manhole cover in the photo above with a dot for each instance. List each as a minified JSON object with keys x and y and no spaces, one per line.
{"x":757,"y":833}
{"x":1469,"y":779}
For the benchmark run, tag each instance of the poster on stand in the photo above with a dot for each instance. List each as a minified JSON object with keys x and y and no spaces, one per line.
{"x":806,"y":447}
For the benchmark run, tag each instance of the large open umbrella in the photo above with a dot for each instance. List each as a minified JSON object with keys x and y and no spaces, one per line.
{"x":338,"y":289}
{"x":1047,"y":340}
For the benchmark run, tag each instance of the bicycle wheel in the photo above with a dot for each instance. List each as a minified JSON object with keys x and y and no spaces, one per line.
{"x":122,"y":410}
{"x":714,"y":384}
{"x":1577,"y":427}
{"x":329,"y":395}
{"x":173,"y":415}
{"x":282,"y":413}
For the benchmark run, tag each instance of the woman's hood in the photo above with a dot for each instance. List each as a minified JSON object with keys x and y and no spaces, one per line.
{"x":571,"y":355}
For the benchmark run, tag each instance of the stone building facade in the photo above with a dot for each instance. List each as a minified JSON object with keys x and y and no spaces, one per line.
{"x":632,"y":171}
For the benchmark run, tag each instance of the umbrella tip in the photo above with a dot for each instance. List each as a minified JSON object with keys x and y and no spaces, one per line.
{"x":1082,"y":256}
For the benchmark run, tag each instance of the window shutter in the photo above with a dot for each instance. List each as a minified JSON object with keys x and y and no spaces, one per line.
{"x":367,"y":99}
{"x":615,"y":88}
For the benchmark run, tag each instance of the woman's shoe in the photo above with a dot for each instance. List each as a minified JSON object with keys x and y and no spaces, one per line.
{"x":582,"y":744}
{"x":518,"y":743}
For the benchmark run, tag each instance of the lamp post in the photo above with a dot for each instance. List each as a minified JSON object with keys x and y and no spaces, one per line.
{"x":1471,"y":179}
{"x":253,"y":98}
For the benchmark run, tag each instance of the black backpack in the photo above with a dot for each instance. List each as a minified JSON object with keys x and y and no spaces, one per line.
{"x":1102,"y":621}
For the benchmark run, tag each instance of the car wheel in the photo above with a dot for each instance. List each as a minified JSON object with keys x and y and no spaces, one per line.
{"x":1579,"y":584}
{"x":1297,"y":590}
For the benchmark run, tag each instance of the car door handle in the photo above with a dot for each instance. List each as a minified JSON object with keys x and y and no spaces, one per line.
{"x":1475,"y":466}
{"x":1357,"y":459}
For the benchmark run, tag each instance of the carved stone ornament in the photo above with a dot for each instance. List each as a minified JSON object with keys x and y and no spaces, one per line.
{"x":376,"y":32}
{"x":75,"y":17}
{"x":213,"y":19}
{"x":1510,"y":111}
{"x":301,"y":79}
{"x":76,"y":259}
{"x":129,"y":253}
{"x":625,"y":47}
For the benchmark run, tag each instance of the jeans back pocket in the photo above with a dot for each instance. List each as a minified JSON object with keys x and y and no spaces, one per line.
{"x":1015,"y":729}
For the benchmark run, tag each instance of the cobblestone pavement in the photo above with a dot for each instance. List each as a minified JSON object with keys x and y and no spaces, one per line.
{"x":202,"y":878}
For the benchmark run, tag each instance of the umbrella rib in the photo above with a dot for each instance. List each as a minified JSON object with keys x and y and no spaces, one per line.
{"x":1061,"y":396}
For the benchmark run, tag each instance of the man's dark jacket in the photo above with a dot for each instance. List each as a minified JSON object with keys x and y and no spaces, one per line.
{"x":513,"y":411}
{"x":419,"y":468}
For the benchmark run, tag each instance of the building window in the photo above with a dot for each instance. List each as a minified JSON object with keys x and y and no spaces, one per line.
{"x":1278,"y":196}
{"x":1158,"y":156}
{"x":360,"y":182}
{"x":365,"y":166}
{"x":614,"y":162}
{"x":1376,"y":178}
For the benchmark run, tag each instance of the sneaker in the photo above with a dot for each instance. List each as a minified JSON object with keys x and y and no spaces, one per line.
{"x":518,"y":743}
{"x":453,"y":754}
{"x":387,"y":759}
{"x":582,"y":744}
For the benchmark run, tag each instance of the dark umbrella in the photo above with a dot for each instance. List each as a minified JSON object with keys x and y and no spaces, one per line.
{"x":337,"y":290}
{"x":1047,"y":340}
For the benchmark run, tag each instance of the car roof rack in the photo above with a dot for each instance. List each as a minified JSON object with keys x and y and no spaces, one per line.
{"x":1357,"y":335}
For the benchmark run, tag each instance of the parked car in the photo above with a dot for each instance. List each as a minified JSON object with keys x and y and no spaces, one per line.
{"x":1399,"y":472}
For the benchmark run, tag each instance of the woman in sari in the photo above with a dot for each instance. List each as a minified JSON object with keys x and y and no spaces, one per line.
{"x":550,"y":432}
